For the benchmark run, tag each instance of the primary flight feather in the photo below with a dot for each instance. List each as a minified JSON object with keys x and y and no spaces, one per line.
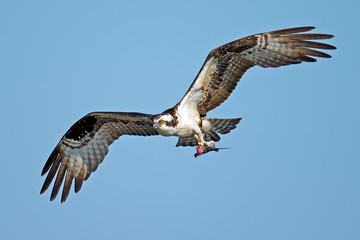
{"x":85,"y":145}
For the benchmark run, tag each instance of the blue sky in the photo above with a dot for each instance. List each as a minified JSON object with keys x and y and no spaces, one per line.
{"x":292,"y":168}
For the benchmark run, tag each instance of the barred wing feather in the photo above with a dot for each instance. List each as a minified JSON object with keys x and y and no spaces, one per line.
{"x":85,"y":145}
{"x":226,"y":64}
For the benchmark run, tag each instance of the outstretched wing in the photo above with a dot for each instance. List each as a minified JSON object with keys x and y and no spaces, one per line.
{"x":225,"y":65}
{"x":85,"y":144}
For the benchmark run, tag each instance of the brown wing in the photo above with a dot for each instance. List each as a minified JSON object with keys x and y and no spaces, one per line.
{"x":85,"y":144}
{"x":225,"y":65}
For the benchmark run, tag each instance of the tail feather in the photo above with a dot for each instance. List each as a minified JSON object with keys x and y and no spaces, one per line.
{"x":191,"y":141}
{"x":186,"y":141}
{"x":223,"y":125}
{"x":212,"y":136}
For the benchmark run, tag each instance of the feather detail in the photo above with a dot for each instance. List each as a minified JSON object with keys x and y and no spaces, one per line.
{"x":86,"y":144}
{"x":226,"y":64}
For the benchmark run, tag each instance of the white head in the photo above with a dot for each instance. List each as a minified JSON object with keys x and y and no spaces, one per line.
{"x":165,"y":124}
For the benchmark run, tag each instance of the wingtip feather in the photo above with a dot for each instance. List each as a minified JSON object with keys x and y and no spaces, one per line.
{"x":78,"y":184}
{"x":52,"y":158}
{"x":50,"y":176}
{"x":67,"y":186}
{"x":293,"y":30}
{"x":58,"y":182}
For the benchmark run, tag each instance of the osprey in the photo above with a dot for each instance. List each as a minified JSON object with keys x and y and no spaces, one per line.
{"x":85,"y":144}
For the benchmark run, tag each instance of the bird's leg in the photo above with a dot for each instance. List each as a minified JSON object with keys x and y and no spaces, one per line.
{"x":200,"y":148}
{"x":210,"y":144}
{"x":201,"y":141}
{"x":203,"y":146}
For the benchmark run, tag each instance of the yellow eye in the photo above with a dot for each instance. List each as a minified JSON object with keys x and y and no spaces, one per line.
{"x":162,"y":122}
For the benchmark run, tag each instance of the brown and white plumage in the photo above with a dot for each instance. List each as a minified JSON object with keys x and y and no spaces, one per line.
{"x":85,"y":144}
{"x":226,"y":64}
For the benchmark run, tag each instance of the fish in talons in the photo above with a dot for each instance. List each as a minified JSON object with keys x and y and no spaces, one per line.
{"x":202,"y":149}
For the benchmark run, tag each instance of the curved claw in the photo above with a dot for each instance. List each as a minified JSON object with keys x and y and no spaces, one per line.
{"x":202,"y":149}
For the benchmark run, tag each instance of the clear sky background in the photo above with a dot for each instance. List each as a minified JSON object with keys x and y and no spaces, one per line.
{"x":292,"y":170}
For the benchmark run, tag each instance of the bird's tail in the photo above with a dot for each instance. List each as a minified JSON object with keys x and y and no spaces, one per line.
{"x":221,"y":125}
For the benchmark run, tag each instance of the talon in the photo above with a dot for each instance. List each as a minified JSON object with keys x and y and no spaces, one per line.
{"x":210,"y":144}
{"x":204,"y":147}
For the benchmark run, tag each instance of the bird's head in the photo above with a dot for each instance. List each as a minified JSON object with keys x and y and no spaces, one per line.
{"x":165,"y":124}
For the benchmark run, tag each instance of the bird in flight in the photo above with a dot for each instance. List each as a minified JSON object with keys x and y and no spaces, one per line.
{"x":85,"y":144}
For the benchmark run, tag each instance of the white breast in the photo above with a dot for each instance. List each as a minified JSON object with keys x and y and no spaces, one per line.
{"x":188,"y":119}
